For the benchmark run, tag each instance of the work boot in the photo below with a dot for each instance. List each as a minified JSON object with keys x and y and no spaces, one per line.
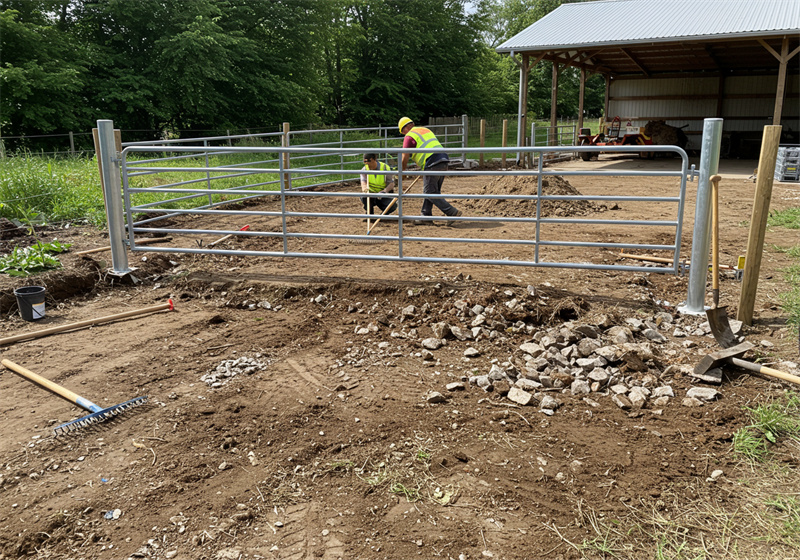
{"x":454,"y":223}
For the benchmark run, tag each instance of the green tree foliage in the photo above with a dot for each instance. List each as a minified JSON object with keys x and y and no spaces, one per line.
{"x":506,"y":18}
{"x":211,"y":65}
{"x":41,"y":74}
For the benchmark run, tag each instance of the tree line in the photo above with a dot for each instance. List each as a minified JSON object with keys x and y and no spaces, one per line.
{"x":185,"y":66}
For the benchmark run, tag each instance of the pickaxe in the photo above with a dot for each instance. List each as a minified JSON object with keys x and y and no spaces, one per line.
{"x":705,"y":368}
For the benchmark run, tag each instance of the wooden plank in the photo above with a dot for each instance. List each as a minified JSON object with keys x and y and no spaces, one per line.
{"x":758,"y":223}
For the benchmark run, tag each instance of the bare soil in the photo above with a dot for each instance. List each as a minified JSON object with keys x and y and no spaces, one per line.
{"x":331,"y":449}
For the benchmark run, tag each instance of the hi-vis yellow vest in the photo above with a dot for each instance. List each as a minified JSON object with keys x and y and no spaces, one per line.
{"x":425,"y":139}
{"x":377,"y":182}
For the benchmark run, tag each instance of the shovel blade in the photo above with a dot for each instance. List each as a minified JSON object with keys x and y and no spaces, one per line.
{"x":721,"y":327}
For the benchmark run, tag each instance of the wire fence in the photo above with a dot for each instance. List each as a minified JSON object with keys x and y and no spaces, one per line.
{"x":51,"y":187}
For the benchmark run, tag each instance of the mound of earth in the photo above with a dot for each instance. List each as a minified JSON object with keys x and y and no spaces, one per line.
{"x":528,"y":185}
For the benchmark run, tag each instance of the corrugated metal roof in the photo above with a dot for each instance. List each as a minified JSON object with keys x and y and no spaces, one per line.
{"x":631,"y":22}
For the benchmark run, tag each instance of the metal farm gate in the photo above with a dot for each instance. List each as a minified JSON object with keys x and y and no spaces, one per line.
{"x":209,"y":189}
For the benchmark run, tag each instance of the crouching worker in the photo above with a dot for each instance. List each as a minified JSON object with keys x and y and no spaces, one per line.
{"x":376,"y":183}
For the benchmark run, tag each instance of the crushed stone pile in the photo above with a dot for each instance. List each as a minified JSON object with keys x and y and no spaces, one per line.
{"x":527,"y":185}
{"x":228,"y":369}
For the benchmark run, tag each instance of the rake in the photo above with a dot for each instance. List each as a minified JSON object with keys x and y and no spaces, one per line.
{"x":97,"y":415}
{"x":389,"y":208}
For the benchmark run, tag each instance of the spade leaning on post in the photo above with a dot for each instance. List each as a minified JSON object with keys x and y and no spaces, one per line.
{"x":376,"y":183}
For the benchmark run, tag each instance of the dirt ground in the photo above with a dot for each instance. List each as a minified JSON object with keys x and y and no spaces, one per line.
{"x":328,"y":445}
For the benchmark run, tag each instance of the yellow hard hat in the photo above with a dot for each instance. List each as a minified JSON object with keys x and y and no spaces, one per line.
{"x":404,"y":121}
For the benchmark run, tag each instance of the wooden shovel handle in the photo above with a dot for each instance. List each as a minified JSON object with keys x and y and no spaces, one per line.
{"x":715,"y":235}
{"x":146,"y":241}
{"x":53,"y":330}
{"x":765,"y":370}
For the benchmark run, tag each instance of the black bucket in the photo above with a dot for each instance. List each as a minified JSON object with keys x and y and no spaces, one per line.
{"x":30,"y":300}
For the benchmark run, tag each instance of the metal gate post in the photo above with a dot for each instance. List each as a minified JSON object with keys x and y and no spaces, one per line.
{"x":709,"y":165}
{"x":109,"y":165}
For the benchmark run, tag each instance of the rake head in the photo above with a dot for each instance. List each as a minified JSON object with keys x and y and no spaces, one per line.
{"x":97,"y":417}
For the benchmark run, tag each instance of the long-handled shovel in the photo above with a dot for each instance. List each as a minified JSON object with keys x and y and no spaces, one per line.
{"x":717,"y":316}
{"x":375,"y":223}
{"x":98,"y":414}
{"x":391,"y":205}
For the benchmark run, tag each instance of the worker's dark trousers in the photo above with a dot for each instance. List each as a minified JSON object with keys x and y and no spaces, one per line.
{"x":377,"y":204}
{"x":432,"y":184}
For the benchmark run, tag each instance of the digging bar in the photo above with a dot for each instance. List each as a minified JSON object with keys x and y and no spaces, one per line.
{"x":733,"y":356}
{"x":146,"y":241}
{"x":225,"y":237}
{"x":53,"y":330}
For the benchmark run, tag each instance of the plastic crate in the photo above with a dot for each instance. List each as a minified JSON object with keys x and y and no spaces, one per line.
{"x":787,"y":164}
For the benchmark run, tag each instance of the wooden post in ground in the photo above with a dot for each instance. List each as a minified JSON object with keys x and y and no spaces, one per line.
{"x":505,"y":141}
{"x":758,"y":222}
{"x":483,"y":138}
{"x":287,"y":181}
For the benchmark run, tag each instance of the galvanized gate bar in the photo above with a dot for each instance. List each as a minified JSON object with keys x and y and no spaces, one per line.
{"x":189,"y":189}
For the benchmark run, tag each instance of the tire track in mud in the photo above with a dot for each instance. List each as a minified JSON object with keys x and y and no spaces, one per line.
{"x":307,"y":534}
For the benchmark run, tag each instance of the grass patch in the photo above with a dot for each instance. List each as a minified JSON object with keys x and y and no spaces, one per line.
{"x":789,"y":218}
{"x":790,"y":300}
{"x":43,"y":190}
{"x":769,"y":422}
{"x":754,"y":517}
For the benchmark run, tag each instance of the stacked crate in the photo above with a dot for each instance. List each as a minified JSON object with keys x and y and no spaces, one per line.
{"x":786,"y":166}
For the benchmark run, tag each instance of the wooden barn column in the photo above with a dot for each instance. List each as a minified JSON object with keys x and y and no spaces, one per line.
{"x":720,"y":94}
{"x":581,"y":95}
{"x":783,"y":60}
{"x":781,"y":90}
{"x":605,"y":102}
{"x":522,"y":117}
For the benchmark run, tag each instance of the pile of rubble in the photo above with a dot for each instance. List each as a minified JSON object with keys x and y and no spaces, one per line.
{"x":632,"y":362}
{"x":228,"y":369}
{"x":552,"y":185}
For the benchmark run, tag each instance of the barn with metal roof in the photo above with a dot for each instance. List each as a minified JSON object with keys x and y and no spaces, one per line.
{"x":680,"y":61}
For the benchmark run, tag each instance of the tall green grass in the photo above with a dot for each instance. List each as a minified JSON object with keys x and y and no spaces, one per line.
{"x":43,"y":190}
{"x":790,"y":300}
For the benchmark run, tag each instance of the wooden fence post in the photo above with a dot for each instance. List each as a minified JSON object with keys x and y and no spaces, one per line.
{"x":286,"y":159}
{"x":505,"y":141}
{"x":483,"y":138}
{"x":758,"y":222}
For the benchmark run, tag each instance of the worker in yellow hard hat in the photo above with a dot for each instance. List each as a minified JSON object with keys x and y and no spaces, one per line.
{"x":434,"y":160}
